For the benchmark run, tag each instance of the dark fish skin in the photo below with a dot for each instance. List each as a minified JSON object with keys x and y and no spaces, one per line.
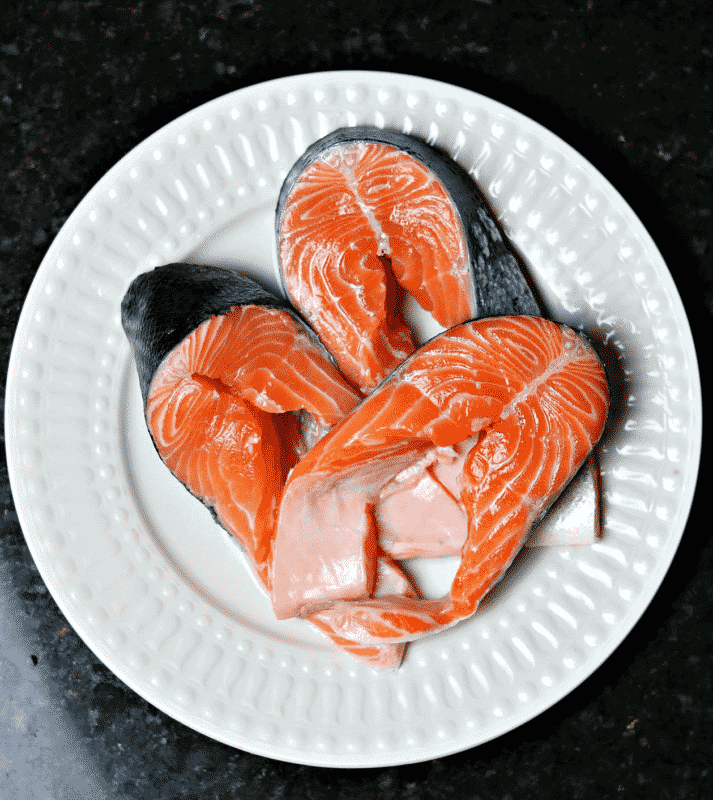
{"x":164,"y":306}
{"x":498,"y":286}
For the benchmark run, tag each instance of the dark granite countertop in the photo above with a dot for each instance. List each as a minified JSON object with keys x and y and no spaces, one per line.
{"x":626,"y":84}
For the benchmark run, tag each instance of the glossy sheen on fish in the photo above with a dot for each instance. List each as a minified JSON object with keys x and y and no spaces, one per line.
{"x":222,"y":364}
{"x":538,"y":394}
{"x":365,"y":211}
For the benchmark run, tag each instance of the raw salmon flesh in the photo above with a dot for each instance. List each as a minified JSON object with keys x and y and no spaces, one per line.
{"x":313,"y":428}
{"x":534,"y":396}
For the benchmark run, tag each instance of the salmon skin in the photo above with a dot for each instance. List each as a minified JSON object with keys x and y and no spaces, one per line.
{"x":535,"y":394}
{"x":223,"y":366}
{"x":366,"y":213}
{"x":164,"y":306}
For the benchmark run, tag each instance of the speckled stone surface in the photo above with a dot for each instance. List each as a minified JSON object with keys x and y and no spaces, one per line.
{"x":629,"y":86}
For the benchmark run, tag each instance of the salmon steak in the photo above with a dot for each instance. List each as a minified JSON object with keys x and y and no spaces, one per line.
{"x":367,"y":214}
{"x":235,"y":389}
{"x":521,"y":399}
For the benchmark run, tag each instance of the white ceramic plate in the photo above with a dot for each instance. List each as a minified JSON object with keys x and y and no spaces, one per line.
{"x":161,"y":594}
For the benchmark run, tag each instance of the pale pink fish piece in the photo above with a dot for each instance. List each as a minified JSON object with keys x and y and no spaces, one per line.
{"x":424,"y":517}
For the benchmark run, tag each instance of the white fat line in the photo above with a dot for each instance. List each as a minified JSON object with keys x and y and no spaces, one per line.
{"x":347,"y":171}
{"x":567,"y":354}
{"x":396,"y":353}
